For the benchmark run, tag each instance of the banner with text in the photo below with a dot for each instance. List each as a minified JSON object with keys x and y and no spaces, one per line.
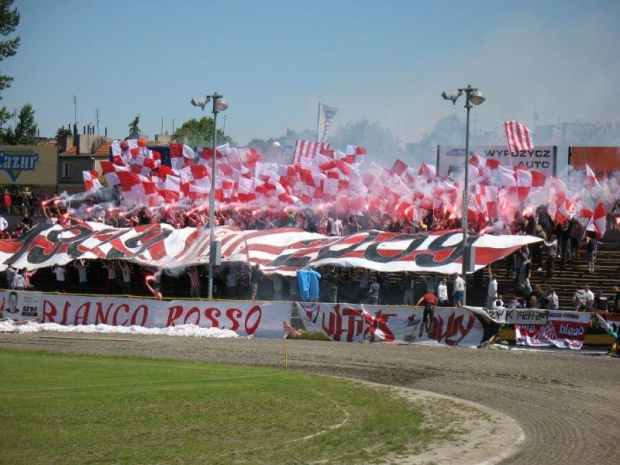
{"x":451,"y":158}
{"x":564,"y":329}
{"x":375,"y":323}
{"x":259,"y":319}
{"x":519,"y":316}
{"x":21,"y":305}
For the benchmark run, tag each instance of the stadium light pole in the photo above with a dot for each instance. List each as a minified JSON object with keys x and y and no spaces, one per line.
{"x":472,"y":95}
{"x":219,"y":104}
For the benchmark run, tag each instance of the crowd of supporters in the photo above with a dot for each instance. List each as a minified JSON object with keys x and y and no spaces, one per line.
{"x":562,"y":244}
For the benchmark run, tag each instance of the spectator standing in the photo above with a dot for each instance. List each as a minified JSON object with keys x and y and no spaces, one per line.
{"x":27,"y":275}
{"x":254,"y":281}
{"x":373,"y":292}
{"x":589,"y":298}
{"x":459,"y":289}
{"x":61,"y":278}
{"x":126,"y":272}
{"x":566,"y":244}
{"x":10,"y":276}
{"x":492,"y":289}
{"x":194,"y":282}
{"x":442,"y":293}
{"x":231,"y":283}
{"x":591,"y":249}
{"x":6,"y":202}
{"x":82,"y":273}
{"x":277,"y":286}
{"x":19,"y":283}
{"x":601,"y":303}
{"x":4,"y":224}
{"x":430,"y":302}
{"x":552,"y":251}
{"x":332,"y":280}
{"x":110,"y":266}
{"x":409,"y":288}
{"x":616,"y":307}
{"x":364,"y":284}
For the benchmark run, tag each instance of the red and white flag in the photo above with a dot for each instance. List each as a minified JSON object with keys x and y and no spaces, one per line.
{"x":288,"y":329}
{"x":598,"y":222}
{"x":518,"y":136}
{"x":91,"y":180}
{"x":307,"y":149}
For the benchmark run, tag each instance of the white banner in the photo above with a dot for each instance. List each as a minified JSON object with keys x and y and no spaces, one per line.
{"x":376,"y":323}
{"x":519,"y":316}
{"x":451,"y":158}
{"x":21,"y":305}
{"x":259,"y":319}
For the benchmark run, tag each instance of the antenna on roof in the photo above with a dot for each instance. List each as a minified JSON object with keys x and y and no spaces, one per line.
{"x":75,"y":110}
{"x":97,"y":117}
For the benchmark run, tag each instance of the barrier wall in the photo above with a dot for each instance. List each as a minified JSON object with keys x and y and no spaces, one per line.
{"x":336,"y":322}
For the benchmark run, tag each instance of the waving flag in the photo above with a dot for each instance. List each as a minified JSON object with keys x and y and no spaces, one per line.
{"x":288,"y":329}
{"x":91,"y":180}
{"x":518,"y":136}
{"x":309,"y":150}
{"x":326,"y":116}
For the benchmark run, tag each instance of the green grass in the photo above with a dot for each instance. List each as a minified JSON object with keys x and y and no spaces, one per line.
{"x":67,"y":408}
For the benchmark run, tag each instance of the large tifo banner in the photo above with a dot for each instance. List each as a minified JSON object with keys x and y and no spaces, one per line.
{"x":259,"y":319}
{"x":462,"y":326}
{"x":564,"y":329}
{"x":451,"y":158}
{"x":282,"y":251}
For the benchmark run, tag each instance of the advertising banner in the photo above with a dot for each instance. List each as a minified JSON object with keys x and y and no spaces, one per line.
{"x":564,"y":329}
{"x":604,"y":161}
{"x":519,"y":316}
{"x":259,"y":319}
{"x":451,"y":158}
{"x":28,"y":165}
{"x":21,"y":305}
{"x":376,"y":323}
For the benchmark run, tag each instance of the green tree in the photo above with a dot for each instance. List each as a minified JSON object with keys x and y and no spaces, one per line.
{"x":26,"y":129}
{"x":134,"y":129}
{"x":9,"y":19}
{"x":199,"y":133}
{"x":61,"y":137}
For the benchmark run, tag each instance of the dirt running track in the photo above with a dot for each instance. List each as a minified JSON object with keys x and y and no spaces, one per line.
{"x":567,"y":404}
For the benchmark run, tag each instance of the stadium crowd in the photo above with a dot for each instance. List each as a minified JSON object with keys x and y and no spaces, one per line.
{"x":562,"y":244}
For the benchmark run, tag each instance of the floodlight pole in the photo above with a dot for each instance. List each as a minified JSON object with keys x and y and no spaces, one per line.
{"x":200,"y":102}
{"x":472,"y":95}
{"x":465,"y":203}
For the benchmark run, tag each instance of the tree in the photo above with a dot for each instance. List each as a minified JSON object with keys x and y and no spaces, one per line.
{"x":9,"y":19}
{"x":61,"y":137}
{"x":134,"y":129}
{"x":199,"y":133}
{"x":26,"y":129}
{"x":382,"y":145}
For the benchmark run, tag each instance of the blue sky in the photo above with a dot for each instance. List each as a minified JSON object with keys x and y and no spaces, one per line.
{"x":274,"y":60}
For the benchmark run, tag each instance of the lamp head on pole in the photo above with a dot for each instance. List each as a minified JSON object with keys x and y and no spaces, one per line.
{"x":477,"y":97}
{"x":451,"y":95}
{"x":201,"y":102}
{"x":221,"y":104}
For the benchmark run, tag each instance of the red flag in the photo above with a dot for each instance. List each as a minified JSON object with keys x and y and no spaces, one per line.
{"x":288,"y":329}
{"x":307,"y":149}
{"x":518,"y":136}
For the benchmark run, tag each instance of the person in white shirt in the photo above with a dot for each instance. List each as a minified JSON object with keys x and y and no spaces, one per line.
{"x":442,"y":293}
{"x":4,"y":224}
{"x":589,"y":298}
{"x":61,"y":274}
{"x":409,"y":289}
{"x":492,"y":289}
{"x":19,"y":282}
{"x":459,"y":289}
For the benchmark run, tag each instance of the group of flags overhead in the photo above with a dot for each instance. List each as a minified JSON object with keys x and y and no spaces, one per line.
{"x":328,"y":179}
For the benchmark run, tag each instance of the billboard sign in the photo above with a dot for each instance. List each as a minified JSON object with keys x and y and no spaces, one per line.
{"x":450,"y":158}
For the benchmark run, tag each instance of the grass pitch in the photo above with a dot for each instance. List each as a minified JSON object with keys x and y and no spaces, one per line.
{"x":67,"y":408}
